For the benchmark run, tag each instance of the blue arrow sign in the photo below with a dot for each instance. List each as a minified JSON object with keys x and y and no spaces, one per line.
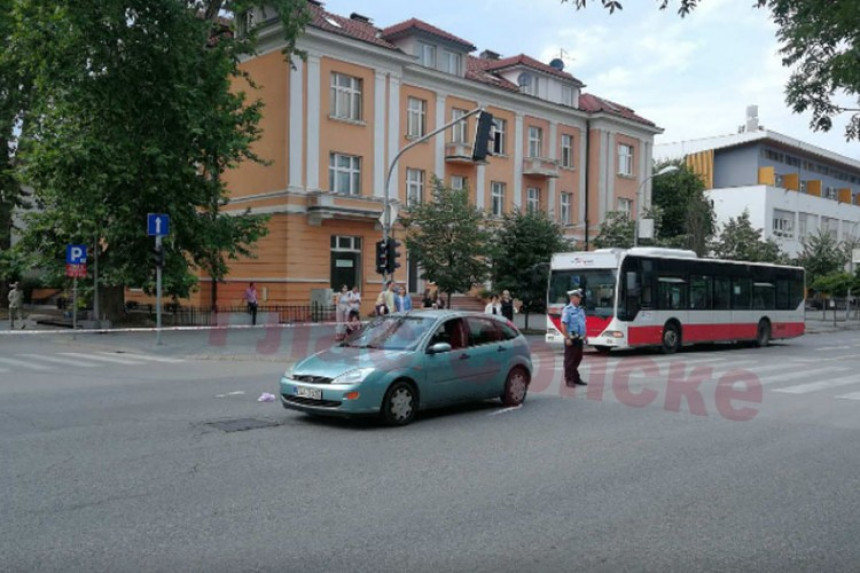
{"x":76,"y":254}
{"x":157,"y":224}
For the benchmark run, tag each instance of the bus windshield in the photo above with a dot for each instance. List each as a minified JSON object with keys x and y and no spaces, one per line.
{"x":598,"y":287}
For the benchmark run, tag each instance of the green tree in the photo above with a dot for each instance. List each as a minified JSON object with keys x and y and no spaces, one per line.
{"x":523,"y":246}
{"x":687,"y":217}
{"x":740,"y":241}
{"x":820,"y":40}
{"x":616,"y":230}
{"x":447,"y":237}
{"x":134,"y":111}
{"x":821,"y":255}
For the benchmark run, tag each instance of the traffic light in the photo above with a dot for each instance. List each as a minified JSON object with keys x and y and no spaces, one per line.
{"x":158,"y":256}
{"x":393,"y":255}
{"x":381,"y":257}
{"x":483,"y":137}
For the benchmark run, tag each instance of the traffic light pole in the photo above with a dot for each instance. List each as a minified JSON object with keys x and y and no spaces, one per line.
{"x":158,"y":294}
{"x":386,"y":204}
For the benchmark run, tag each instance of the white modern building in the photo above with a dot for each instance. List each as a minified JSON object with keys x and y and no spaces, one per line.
{"x":790,"y":188}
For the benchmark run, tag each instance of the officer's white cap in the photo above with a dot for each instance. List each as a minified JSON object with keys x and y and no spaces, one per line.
{"x":575,"y":292}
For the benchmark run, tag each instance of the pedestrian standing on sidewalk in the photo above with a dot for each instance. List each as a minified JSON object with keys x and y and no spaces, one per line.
{"x":251,"y":299}
{"x":573,"y":330}
{"x":15,"y":300}
{"x":342,"y":311}
{"x":507,"y":304}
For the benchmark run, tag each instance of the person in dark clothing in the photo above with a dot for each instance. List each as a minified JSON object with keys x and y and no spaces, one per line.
{"x":507,"y":304}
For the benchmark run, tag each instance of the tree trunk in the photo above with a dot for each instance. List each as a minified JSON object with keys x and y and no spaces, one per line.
{"x":111,"y":302}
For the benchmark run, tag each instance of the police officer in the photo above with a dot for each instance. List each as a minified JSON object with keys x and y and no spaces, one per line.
{"x":573,"y":329}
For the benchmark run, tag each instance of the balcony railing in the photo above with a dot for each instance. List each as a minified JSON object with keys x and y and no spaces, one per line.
{"x":458,"y":152}
{"x":540,"y":167}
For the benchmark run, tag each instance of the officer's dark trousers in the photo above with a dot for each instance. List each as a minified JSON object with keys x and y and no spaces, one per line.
{"x":572,"y":358}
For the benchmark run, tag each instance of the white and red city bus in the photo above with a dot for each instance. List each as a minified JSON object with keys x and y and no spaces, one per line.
{"x":669,"y":297}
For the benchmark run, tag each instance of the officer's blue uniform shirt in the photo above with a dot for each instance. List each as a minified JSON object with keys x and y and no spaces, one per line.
{"x":573,"y":318}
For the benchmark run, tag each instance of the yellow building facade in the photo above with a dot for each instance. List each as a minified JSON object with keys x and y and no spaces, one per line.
{"x":334,"y":121}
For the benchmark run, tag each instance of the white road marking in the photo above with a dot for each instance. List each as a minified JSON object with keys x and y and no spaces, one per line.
{"x":772,"y":379}
{"x":237,"y":393}
{"x":23,"y":364}
{"x":63,"y":361}
{"x":112,"y":359}
{"x":851,"y":396}
{"x":823,"y":385}
{"x":505,"y":410}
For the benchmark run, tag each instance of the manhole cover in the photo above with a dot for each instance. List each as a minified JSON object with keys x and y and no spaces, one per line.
{"x":242,"y":424}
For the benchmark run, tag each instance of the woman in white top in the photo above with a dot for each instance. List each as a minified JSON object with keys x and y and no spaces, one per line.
{"x":493,"y":307}
{"x":354,"y":299}
{"x":342,"y":311}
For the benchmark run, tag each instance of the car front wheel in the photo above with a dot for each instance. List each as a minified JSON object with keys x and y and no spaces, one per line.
{"x":400,"y":404}
{"x":516,"y":387}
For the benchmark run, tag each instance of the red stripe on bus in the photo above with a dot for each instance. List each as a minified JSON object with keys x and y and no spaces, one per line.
{"x":594,"y":325}
{"x":647,"y":335}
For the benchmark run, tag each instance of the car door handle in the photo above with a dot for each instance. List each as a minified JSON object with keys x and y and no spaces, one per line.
{"x":464,"y":356}
{"x":501,"y":349}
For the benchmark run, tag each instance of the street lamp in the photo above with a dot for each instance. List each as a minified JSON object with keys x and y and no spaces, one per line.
{"x":667,"y":169}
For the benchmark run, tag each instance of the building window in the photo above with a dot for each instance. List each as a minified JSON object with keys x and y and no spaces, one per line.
{"x":803,"y":186}
{"x":416,"y":117}
{"x":783,"y":224}
{"x":453,"y":63}
{"x":345,"y":97}
{"x":427,"y":55}
{"x":625,"y":160}
{"x":458,"y":182}
{"x":831,"y":226}
{"x":344,"y":174}
{"x":459,"y":130}
{"x":567,"y":95}
{"x":625,"y":206}
{"x":414,"y":187}
{"x":499,"y":135}
{"x":535,"y":141}
{"x":565,"y":209}
{"x":802,"y":226}
{"x":533,"y":200}
{"x":497,"y":193}
{"x":567,"y":151}
{"x":831,"y":193}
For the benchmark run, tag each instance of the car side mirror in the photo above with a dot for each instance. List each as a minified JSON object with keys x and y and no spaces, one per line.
{"x":439,"y":347}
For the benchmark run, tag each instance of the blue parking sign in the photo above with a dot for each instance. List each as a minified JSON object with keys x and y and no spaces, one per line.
{"x":76,"y":254}
{"x":157,"y":224}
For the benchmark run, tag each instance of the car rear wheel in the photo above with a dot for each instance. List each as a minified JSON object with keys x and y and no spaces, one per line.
{"x":516,"y":387}
{"x":400,"y":404}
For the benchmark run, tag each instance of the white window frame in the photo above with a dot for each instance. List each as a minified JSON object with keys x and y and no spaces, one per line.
{"x":460,"y":130}
{"x":497,"y":198}
{"x":346,"y":97}
{"x":414,"y":187}
{"x":535,"y":141}
{"x":344,"y":173}
{"x":567,"y":150}
{"x":533,"y":199}
{"x":500,"y":136}
{"x":625,"y":159}
{"x":566,"y":201}
{"x":567,"y":95}
{"x":453,"y":62}
{"x":783,"y":224}
{"x":427,"y":55}
{"x":416,"y":117}
{"x":458,"y":182}
{"x":802,"y":225}
{"x":625,"y":206}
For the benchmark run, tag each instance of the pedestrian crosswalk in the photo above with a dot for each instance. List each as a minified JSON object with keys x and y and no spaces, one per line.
{"x":38,"y":362}
{"x":828,"y":375}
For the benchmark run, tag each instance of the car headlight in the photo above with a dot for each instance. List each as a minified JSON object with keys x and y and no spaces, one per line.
{"x":290,"y":371}
{"x":353,"y":376}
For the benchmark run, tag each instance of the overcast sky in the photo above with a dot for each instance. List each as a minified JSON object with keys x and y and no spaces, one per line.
{"x":694,"y":77}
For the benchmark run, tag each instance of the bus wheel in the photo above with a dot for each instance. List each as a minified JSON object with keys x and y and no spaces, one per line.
{"x":671,"y":338}
{"x":603,"y":349}
{"x":762,"y":337}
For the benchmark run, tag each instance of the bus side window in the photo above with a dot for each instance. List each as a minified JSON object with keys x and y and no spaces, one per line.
{"x":722,"y":293}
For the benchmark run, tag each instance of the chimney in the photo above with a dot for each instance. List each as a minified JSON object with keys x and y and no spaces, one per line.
{"x":359,"y":18}
{"x":489,"y":55}
{"x":752,"y":119}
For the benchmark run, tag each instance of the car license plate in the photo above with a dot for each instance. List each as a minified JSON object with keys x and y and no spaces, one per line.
{"x":312,"y":393}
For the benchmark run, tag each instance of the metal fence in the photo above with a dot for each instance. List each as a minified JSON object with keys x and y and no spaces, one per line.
{"x":178,"y":315}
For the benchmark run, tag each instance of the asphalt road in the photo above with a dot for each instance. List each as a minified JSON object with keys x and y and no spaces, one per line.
{"x":729,"y":459}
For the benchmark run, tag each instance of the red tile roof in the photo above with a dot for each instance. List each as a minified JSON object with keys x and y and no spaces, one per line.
{"x":524,"y":60}
{"x":402,"y":28}
{"x":593,"y":104}
{"x":356,"y":29}
{"x":476,"y":69}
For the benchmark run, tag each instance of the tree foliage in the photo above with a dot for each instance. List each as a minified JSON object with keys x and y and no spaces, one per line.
{"x":820,"y":40}
{"x":133,"y":111}
{"x":687,"y":217}
{"x":616,"y":230}
{"x":821,"y":255}
{"x":740,"y":241}
{"x":523,"y":247}
{"x":448,"y":239}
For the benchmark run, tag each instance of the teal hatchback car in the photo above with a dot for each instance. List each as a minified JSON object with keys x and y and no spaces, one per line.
{"x":399,"y":364}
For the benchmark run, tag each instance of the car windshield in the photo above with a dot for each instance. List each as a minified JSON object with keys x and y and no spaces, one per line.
{"x":598,"y":287}
{"x":391,"y":333}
